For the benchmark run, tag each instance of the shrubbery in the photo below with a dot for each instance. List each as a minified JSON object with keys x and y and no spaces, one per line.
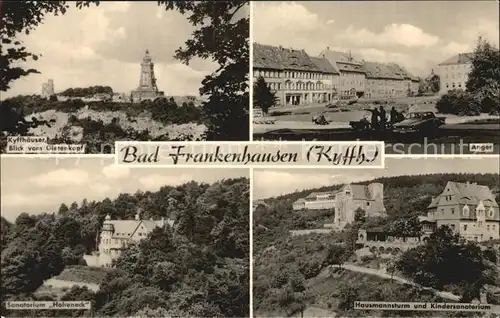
{"x":458,"y":102}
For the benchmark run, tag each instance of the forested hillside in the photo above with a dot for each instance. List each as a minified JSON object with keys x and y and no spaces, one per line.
{"x":100,"y":124}
{"x":197,"y":268}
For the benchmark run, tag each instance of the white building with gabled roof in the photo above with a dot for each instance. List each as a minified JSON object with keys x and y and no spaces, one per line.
{"x":116,"y":235}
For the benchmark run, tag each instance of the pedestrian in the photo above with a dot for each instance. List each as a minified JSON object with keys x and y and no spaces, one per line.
{"x":394,"y":115}
{"x":383,"y":118}
{"x":374,"y":118}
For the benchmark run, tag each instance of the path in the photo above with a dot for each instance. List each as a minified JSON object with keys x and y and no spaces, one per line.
{"x":383,"y":274}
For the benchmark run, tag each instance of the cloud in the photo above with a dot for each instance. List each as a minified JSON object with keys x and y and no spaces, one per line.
{"x":115,"y":171}
{"x":153,"y":182}
{"x":393,"y":34}
{"x":104,"y":45}
{"x":28,"y":199}
{"x":61,"y":178}
{"x":329,"y":22}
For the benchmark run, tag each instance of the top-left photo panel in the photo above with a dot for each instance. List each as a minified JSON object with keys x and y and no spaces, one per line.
{"x":78,"y":76}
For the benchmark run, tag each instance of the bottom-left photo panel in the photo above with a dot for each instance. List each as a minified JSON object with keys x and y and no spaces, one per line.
{"x":82,"y":237}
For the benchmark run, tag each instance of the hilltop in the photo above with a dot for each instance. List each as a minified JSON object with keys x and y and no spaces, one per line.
{"x":100,"y":123}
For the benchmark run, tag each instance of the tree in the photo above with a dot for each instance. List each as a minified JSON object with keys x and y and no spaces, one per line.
{"x":446,"y":259}
{"x":222,"y":35}
{"x":483,"y":81}
{"x":336,"y":255}
{"x":407,"y":227}
{"x":263,"y":97}
{"x":434,"y":83}
{"x":360,"y":215}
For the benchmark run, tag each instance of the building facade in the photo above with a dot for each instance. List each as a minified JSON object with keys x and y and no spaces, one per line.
{"x":467,"y":208}
{"x":346,"y":201}
{"x":454,"y":72}
{"x":116,"y":235}
{"x":147,"y":90}
{"x":352,"y":75}
{"x":410,"y":82}
{"x":292,"y":75}
{"x":48,"y":88}
{"x":383,"y":81}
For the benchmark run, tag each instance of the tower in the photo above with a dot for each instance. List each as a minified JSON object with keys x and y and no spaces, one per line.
{"x":147,"y":80}
{"x":48,"y":88}
{"x":148,"y":89}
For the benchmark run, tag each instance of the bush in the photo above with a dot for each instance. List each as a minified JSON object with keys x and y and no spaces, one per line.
{"x":458,"y":102}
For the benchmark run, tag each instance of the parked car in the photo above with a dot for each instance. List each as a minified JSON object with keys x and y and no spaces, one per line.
{"x":419,"y":122}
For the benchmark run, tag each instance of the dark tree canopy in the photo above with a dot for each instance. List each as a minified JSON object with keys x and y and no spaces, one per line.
{"x":222,"y":34}
{"x":263,"y":97}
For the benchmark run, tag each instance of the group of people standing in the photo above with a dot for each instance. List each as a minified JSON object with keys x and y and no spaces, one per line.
{"x":379,"y":117}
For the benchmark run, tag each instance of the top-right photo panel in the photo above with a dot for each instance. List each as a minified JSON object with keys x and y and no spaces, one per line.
{"x":421,"y":76}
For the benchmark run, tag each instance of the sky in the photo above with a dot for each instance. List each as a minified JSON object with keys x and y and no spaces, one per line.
{"x":416,"y":34}
{"x":271,"y":183}
{"x":105,"y":45}
{"x":37,"y":185}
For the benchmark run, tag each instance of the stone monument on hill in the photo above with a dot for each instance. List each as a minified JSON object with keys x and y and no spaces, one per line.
{"x":147,"y":90}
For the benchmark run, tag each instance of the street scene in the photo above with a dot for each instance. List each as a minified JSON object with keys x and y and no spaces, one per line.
{"x":95,"y":72}
{"x":340,"y":78}
{"x":132,"y":243}
{"x":325,"y":240}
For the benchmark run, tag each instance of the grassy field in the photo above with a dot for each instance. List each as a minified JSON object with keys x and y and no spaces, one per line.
{"x":84,"y":274}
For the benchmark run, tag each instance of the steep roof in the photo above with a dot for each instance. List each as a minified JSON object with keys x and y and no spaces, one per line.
{"x":324,"y":65}
{"x":460,"y":58}
{"x":279,"y":58}
{"x":399,"y":70}
{"x":468,"y":193}
{"x":126,"y":228}
{"x":381,"y":71}
{"x":343,"y":62}
{"x":315,"y":194}
{"x":359,"y":191}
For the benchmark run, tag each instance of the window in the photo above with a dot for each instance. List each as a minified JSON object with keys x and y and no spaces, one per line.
{"x":491,"y":212}
{"x":465,"y":227}
{"x":442,"y":211}
{"x":488,"y":227}
{"x":466,"y":211}
{"x":452,"y":210}
{"x":367,"y":203}
{"x":452,"y":226}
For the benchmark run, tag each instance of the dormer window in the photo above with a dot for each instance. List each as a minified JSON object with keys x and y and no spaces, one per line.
{"x":466,"y":211}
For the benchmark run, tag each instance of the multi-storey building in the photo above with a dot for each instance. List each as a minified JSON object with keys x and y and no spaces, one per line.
{"x":454,"y":72}
{"x":331,"y":78}
{"x":411,"y":82}
{"x":116,"y":235}
{"x":346,"y":201}
{"x":383,"y":82}
{"x":292,"y":75}
{"x":467,"y":208}
{"x":352,"y":75}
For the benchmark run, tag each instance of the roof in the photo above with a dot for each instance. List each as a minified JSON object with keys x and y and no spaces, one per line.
{"x":343,"y":62}
{"x":460,"y":58}
{"x":359,"y":191}
{"x":315,"y":194}
{"x":324,"y":65}
{"x":398,"y":69}
{"x":126,"y":228}
{"x":279,"y":58}
{"x":381,"y":71}
{"x":468,"y":193}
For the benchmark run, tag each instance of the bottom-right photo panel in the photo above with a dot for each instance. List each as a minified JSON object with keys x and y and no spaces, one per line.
{"x":420,"y":238}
